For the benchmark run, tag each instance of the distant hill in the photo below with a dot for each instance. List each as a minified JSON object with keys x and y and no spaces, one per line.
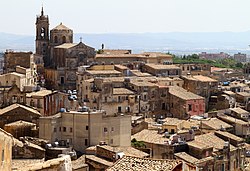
{"x":175,"y":42}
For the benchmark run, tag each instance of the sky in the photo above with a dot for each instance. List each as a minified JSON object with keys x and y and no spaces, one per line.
{"x":128,"y":16}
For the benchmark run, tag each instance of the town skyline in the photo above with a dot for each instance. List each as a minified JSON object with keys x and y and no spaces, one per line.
{"x":163,"y":16}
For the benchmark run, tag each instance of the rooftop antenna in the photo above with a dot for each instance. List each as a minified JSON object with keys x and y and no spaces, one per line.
{"x":80,"y":39}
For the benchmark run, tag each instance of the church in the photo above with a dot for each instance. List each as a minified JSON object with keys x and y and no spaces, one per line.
{"x":56,"y":56}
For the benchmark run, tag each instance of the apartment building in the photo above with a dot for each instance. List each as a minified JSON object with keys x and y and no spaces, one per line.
{"x":84,"y":129}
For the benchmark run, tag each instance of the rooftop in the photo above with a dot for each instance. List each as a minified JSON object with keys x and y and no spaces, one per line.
{"x":14,"y":106}
{"x":20,"y":123}
{"x":61,"y":27}
{"x":40,"y":93}
{"x":216,"y":123}
{"x":245,"y":94}
{"x":142,"y":164}
{"x":102,"y":72}
{"x":66,"y":45}
{"x":42,"y":164}
{"x":98,"y":160}
{"x":139,"y":73}
{"x":79,"y":163}
{"x":122,"y":91}
{"x":208,"y":140}
{"x":229,"y":135}
{"x":172,"y":121}
{"x":229,"y":93}
{"x":239,"y":110}
{"x":200,"y":78}
{"x":150,"y":136}
{"x":232,"y":119}
{"x":128,"y":151}
{"x":142,"y":83}
{"x":183,"y":94}
{"x":161,"y":67}
{"x":190,"y":159}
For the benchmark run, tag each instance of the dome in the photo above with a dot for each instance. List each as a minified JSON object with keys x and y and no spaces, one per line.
{"x":61,"y":27}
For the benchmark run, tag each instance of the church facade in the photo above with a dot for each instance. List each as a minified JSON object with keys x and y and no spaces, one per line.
{"x":57,"y":57}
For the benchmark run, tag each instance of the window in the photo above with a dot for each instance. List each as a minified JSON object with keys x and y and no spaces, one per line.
{"x":64,"y":129}
{"x":2,"y":155}
{"x":54,"y":129}
{"x":55,"y":39}
{"x":172,"y":131}
{"x":119,"y":109}
{"x":223,"y":167}
{"x":87,"y":127}
{"x":111,"y":141}
{"x":60,"y":129}
{"x":71,"y":129}
{"x":62,"y":80}
{"x":112,"y":129}
{"x":86,"y":142}
{"x":105,"y":129}
{"x":64,"y":39}
{"x":189,"y":107}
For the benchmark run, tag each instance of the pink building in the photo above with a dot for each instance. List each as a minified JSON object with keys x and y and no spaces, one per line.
{"x":184,"y":104}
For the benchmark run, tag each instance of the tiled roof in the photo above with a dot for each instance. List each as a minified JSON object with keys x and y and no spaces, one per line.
{"x":121,"y":67}
{"x":20,"y":123}
{"x":66,"y":45}
{"x":43,"y":165}
{"x":20,"y":163}
{"x":172,"y":121}
{"x":160,"y":67}
{"x":102,"y":72}
{"x":231,"y":119}
{"x":79,"y":163}
{"x":128,"y":151}
{"x":139,"y":73}
{"x":239,"y":110}
{"x":229,"y":135}
{"x":98,"y":160}
{"x":150,"y":136}
{"x":190,"y":159}
{"x":115,"y":51}
{"x":200,"y":78}
{"x":229,"y":93}
{"x":40,"y":93}
{"x":243,"y":94}
{"x":142,"y":83}
{"x":14,"y":106}
{"x":122,"y":91}
{"x":143,"y":164}
{"x":183,"y":94}
{"x":216,"y":123}
{"x":204,"y":78}
{"x":209,"y":140}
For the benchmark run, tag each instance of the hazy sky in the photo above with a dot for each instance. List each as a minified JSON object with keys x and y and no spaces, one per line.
{"x":128,"y":16}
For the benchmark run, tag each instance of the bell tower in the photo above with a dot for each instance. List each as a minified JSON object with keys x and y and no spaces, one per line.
{"x":42,"y":37}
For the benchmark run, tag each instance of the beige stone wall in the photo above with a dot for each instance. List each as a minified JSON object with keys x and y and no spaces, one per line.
{"x":5,"y":151}
{"x":9,"y":79}
{"x":84,"y":130}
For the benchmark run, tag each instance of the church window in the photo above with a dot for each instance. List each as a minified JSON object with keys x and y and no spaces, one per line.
{"x":42,"y":33}
{"x":55,"y":39}
{"x":64,"y":39}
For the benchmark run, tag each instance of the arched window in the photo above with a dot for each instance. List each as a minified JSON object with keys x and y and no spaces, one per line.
{"x":55,"y":39}
{"x":64,"y":39}
{"x":42,"y":33}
